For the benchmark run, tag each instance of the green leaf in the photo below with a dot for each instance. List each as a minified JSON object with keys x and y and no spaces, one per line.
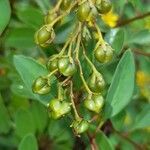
{"x":29,"y":70}
{"x":20,"y":38}
{"x":5,"y":12}
{"x":141,"y":38}
{"x":103,"y":142}
{"x":29,"y":142}
{"x":24,"y":123}
{"x":30,"y":16}
{"x":116,"y":39}
{"x":5,"y":122}
{"x":122,"y":86}
{"x":40,"y":116}
{"x":118,"y":120}
{"x":142,"y":119}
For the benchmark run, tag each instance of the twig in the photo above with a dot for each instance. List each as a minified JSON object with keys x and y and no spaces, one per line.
{"x":141,"y":52}
{"x":125,"y":22}
{"x":92,"y":142}
{"x":137,"y":146}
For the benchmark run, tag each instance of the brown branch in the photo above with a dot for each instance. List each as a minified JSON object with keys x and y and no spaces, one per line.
{"x":125,"y":22}
{"x":92,"y":142}
{"x":124,"y":136}
{"x":141,"y":52}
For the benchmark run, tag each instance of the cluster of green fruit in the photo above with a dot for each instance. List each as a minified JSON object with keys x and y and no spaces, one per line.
{"x":66,"y":63}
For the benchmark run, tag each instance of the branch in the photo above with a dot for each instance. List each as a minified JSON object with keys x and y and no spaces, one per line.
{"x":141,"y":52}
{"x":92,"y":142}
{"x":125,"y":22}
{"x":136,"y":145}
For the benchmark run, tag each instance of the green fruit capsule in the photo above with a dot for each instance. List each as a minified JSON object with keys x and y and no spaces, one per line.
{"x":104,"y":53}
{"x":83,"y":11}
{"x":80,"y":126}
{"x":59,"y":108}
{"x":66,"y":67}
{"x":43,"y":37}
{"x":65,"y":4}
{"x":95,"y":103}
{"x":41,"y":86}
{"x":96,"y":83}
{"x":104,"y":7}
{"x":52,"y":65}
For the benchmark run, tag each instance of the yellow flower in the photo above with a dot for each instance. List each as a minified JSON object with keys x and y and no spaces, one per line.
{"x":143,"y":81}
{"x":110,"y":18}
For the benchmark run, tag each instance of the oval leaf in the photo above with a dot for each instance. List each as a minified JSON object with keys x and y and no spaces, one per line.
{"x":5,"y":13}
{"x":121,"y":89}
{"x":29,"y":142}
{"x":116,"y":39}
{"x":103,"y":142}
{"x":29,"y":70}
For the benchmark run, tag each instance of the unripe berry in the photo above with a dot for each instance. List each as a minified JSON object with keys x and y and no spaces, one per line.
{"x":41,"y":86}
{"x":94,"y":103}
{"x":83,"y":11}
{"x":80,"y":126}
{"x":43,"y":37}
{"x":96,"y":83}
{"x":104,"y":53}
{"x":104,"y":7}
{"x":66,"y":67}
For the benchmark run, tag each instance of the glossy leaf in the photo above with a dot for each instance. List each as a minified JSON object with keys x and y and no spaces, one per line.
{"x":115,"y":38}
{"x":122,"y":83}
{"x":29,"y":142}
{"x":30,"y":16}
{"x":5,"y":12}
{"x":29,"y":70}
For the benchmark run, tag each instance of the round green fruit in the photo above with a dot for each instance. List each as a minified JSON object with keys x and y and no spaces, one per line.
{"x":104,"y":53}
{"x":104,"y":7}
{"x":59,"y":108}
{"x":41,"y":86}
{"x":83,"y":11}
{"x":66,"y":67}
{"x":43,"y":37}
{"x":96,"y":83}
{"x":80,"y":126}
{"x":95,"y":103}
